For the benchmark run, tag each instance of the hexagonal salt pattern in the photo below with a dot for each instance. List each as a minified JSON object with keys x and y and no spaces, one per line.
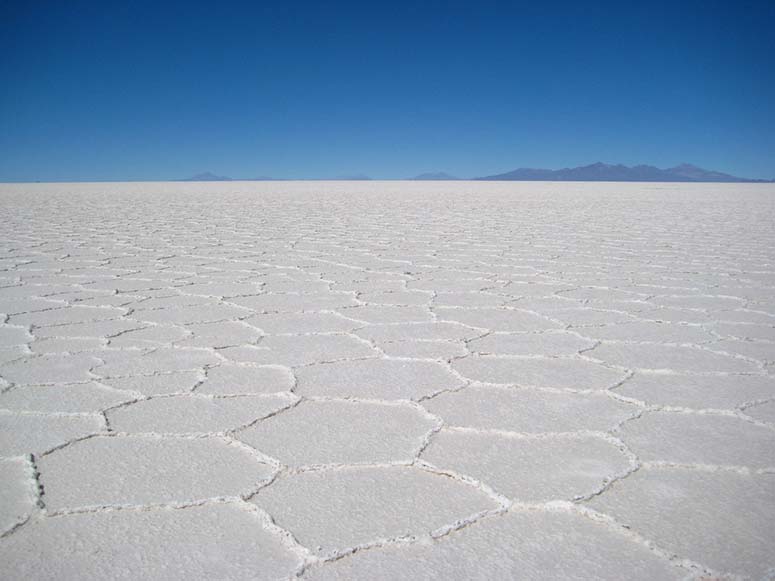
{"x":379,"y":379}
{"x":25,"y":433}
{"x":195,"y":414}
{"x":336,"y":510}
{"x":49,"y":369}
{"x":68,"y":398}
{"x":733,"y":511}
{"x":538,"y":469}
{"x":527,"y":410}
{"x":321,"y":432}
{"x":568,"y":373}
{"x":701,"y":439}
{"x":200,"y":542}
{"x":387,"y":380}
{"x":519,"y":545}
{"x":722,"y":392}
{"x":140,"y":470}
{"x":670,"y":357}
{"x":245,"y":379}
{"x":549,"y":343}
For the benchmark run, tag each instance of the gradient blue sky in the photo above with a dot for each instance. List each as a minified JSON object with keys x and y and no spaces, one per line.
{"x":162,"y":90}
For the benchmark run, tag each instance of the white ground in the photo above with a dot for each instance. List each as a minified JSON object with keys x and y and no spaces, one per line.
{"x":387,"y":380}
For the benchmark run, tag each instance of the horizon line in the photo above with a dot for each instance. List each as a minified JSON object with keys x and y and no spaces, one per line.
{"x":208,"y":176}
{"x":754,"y":181}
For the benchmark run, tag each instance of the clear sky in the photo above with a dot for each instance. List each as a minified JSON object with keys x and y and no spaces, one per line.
{"x":110,"y":90}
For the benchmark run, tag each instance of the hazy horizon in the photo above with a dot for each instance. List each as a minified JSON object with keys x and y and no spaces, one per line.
{"x":209,"y":176}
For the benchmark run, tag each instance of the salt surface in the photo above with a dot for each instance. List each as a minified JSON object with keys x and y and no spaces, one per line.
{"x":387,"y":380}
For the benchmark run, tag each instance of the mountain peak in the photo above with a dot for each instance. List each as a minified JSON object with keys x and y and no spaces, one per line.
{"x":207,"y":177}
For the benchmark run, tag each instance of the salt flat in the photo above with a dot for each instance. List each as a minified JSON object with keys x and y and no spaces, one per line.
{"x":385,"y":380}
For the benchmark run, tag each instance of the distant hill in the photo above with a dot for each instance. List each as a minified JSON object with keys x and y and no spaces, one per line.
{"x":603,"y":172}
{"x":439,"y":176}
{"x":207,"y":177}
{"x":695,"y":173}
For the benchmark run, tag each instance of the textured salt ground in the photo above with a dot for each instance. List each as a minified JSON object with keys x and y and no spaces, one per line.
{"x":387,"y":380}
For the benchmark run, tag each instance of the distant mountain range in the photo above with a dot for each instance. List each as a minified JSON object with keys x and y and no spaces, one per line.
{"x":603,"y":172}
{"x":597,"y":172}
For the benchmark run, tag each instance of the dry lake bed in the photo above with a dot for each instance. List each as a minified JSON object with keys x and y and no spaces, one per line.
{"x":387,"y":380}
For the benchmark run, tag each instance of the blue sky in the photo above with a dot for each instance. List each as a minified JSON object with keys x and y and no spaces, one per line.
{"x":154,"y":90}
